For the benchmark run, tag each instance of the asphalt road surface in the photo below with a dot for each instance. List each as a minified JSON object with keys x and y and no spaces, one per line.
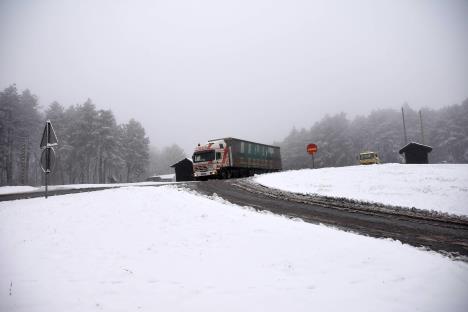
{"x":437,"y":232}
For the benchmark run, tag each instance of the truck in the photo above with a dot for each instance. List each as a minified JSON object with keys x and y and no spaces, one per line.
{"x":234,"y":158}
{"x":369,"y":158}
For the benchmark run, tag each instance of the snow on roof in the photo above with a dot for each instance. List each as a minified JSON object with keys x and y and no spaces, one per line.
{"x":415,"y":145}
{"x":181,"y":161}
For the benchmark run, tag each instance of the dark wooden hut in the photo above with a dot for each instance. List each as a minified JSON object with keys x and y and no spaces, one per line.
{"x":183,"y":170}
{"x":416,"y":153}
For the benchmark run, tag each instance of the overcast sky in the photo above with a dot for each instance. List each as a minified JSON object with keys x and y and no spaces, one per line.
{"x":190,"y":71}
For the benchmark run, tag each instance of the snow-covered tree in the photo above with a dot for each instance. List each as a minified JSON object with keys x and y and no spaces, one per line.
{"x":135,"y":146}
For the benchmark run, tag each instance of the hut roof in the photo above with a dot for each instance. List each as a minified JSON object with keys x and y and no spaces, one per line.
{"x":179,"y":162}
{"x":412,"y":146}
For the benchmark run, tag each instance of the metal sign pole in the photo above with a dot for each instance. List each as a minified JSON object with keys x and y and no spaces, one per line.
{"x":47,"y":162}
{"x":47,"y":159}
{"x":312,"y":149}
{"x":46,"y":175}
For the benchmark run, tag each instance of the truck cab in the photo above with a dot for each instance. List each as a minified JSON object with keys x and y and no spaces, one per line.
{"x":209,"y":160}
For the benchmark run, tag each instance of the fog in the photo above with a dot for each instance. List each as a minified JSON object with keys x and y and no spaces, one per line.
{"x":190,"y":71}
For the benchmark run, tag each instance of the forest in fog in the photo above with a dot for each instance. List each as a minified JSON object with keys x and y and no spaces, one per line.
{"x":93,"y":148}
{"x":340,"y":140}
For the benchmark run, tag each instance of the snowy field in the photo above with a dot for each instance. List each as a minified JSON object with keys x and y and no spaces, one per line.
{"x":440,"y":187}
{"x":163,"y":249}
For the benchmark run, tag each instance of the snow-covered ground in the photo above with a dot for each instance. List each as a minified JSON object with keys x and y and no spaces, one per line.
{"x":440,"y":187}
{"x":164,"y":249}
{"x":27,"y":189}
{"x":167,"y":176}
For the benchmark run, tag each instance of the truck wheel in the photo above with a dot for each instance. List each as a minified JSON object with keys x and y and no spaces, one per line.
{"x":223,"y":174}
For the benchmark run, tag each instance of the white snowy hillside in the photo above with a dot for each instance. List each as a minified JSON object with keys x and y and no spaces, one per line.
{"x":164,"y":249}
{"x":440,"y":187}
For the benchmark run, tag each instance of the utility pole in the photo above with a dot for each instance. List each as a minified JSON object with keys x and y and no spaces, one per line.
{"x":404,"y":125}
{"x":421,"y":124}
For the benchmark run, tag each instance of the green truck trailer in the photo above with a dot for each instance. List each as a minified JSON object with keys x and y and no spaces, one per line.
{"x":232,"y":158}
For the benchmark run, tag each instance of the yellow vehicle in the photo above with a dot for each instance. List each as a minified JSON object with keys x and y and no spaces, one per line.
{"x":369,"y":158}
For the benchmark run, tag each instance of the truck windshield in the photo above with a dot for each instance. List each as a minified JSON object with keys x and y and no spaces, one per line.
{"x":203,"y":156}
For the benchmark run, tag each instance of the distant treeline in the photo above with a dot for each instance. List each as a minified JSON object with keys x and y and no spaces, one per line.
{"x":162,"y":159}
{"x":340,"y":140}
{"x":92,"y":148}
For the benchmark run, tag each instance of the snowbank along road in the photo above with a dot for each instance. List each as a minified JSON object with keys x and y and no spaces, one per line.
{"x":67,"y":189}
{"x":446,"y":234}
{"x":443,"y":233}
{"x":169,"y":249}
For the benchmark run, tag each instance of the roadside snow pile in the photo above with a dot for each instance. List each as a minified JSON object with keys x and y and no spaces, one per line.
{"x":17,"y":189}
{"x":439,"y":187}
{"x":163,"y":249}
{"x":4,"y":190}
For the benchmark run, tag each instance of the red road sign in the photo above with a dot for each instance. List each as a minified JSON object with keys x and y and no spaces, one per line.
{"x":311,"y":149}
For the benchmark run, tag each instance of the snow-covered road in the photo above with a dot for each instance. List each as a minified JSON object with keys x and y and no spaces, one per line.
{"x":147,"y":249}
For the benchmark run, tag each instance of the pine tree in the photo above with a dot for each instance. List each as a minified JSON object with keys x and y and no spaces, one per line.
{"x":135,"y":150}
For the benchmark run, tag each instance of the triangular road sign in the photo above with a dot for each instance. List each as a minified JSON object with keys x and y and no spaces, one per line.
{"x":48,"y":136}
